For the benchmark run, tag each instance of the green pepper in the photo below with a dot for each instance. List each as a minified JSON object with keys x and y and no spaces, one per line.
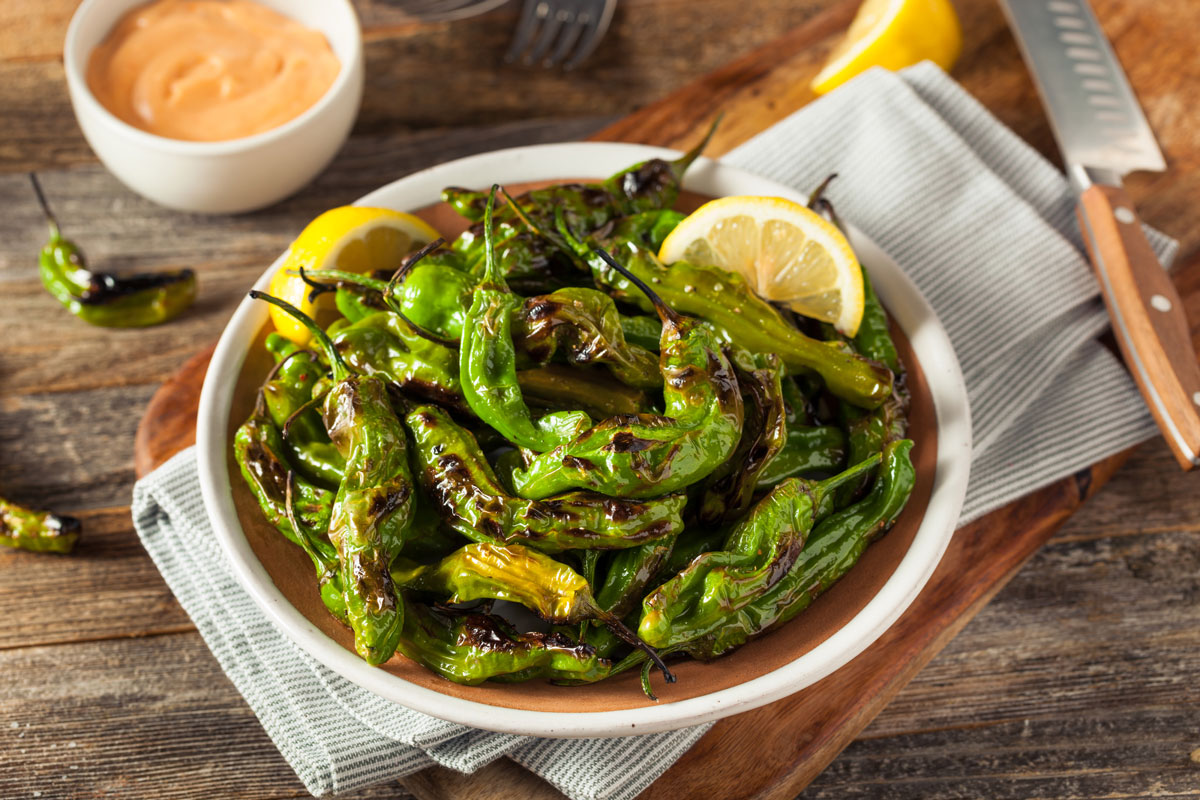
{"x":488,"y":363}
{"x":729,"y":490}
{"x":725,"y":300}
{"x":288,"y":395}
{"x":650,"y":185}
{"x":559,"y":387}
{"x":807,"y":450}
{"x":642,"y":330}
{"x":835,"y":545}
{"x":296,"y":508}
{"x":105,"y":299}
{"x":489,"y":571}
{"x":471,"y":500}
{"x":37,"y":531}
{"x":648,"y":455}
{"x":757,"y":553}
{"x":585,"y":325}
{"x":386,"y":345}
{"x":471,"y":648}
{"x":373,"y":506}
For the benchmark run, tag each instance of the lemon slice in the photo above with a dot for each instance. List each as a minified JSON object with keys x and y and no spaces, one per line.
{"x":786,"y":252}
{"x":893,"y":34}
{"x":352,"y":238}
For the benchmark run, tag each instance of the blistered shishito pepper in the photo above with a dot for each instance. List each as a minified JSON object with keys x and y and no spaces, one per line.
{"x":833,"y":547}
{"x":646,"y":186}
{"x":471,"y":648}
{"x":37,"y":531}
{"x":489,"y":571}
{"x":488,"y":363}
{"x":296,"y":508}
{"x":728,"y":492}
{"x":758,"y":552}
{"x":471,"y":500}
{"x":386,"y":345}
{"x":105,"y":299}
{"x":288,"y":396}
{"x":373,"y":506}
{"x":725,"y":300}
{"x":642,"y":330}
{"x":648,"y":455}
{"x":559,"y":387}
{"x":584,"y":325}
{"x":807,"y":450}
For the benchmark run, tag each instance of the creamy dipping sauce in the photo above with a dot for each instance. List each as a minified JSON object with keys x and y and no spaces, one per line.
{"x":209,"y":70}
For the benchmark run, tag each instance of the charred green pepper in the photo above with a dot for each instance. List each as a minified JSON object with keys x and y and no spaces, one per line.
{"x":105,"y":299}
{"x":488,"y":363}
{"x":648,"y":455}
{"x":471,"y":500}
{"x":373,"y":506}
{"x":37,"y":531}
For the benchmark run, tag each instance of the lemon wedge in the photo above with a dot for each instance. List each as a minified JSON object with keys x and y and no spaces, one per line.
{"x":893,"y":34}
{"x":351,"y":238}
{"x":786,"y":252}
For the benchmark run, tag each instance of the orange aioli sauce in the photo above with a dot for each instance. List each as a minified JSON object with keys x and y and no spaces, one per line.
{"x":209,"y":70}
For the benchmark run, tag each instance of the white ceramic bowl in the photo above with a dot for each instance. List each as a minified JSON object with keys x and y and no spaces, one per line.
{"x":229,"y":176}
{"x":544,"y":162}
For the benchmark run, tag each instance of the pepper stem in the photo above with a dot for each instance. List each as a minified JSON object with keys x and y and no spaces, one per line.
{"x":630,"y":638}
{"x":681,"y":164}
{"x":340,"y":370}
{"x":667,"y":314}
{"x":51,"y":220}
{"x":491,"y":269}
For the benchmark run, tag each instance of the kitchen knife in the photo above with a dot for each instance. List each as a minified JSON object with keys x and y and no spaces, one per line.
{"x":1103,"y":135}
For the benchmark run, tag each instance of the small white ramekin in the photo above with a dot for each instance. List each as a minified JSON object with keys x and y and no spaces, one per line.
{"x":228,"y":176}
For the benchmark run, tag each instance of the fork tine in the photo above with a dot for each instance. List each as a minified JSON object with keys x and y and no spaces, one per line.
{"x":601,"y":14}
{"x":557,"y":16}
{"x":525,"y":28}
{"x":568,"y":37}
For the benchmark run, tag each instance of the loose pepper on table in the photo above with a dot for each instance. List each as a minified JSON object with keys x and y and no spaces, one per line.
{"x":470,"y":648}
{"x":488,"y":363}
{"x":757,"y":553}
{"x":105,"y":299}
{"x":372,"y":509}
{"x":37,"y":531}
{"x":834,"y":546}
{"x":647,"y":455}
{"x":471,"y":500}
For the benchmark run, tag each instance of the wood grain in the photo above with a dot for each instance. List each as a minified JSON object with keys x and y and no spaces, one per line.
{"x":1077,"y":680}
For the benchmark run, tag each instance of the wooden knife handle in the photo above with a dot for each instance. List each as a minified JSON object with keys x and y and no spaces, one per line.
{"x":1147,"y":316}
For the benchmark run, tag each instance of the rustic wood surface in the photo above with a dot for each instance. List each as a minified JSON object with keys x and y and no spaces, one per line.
{"x":1079,"y":679}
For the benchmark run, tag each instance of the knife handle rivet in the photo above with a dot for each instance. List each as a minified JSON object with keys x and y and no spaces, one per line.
{"x":1160,"y":303}
{"x":1123,"y":214}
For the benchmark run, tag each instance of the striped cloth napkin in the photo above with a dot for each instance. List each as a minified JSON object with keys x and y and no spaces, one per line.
{"x":984,"y":226}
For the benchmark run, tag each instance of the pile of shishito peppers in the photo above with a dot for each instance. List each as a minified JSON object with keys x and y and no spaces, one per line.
{"x":652,"y":458}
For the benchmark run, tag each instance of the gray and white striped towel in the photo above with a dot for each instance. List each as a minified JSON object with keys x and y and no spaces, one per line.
{"x":980,"y":221}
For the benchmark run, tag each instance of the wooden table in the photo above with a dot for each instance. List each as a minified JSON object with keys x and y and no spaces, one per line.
{"x":1079,"y":680}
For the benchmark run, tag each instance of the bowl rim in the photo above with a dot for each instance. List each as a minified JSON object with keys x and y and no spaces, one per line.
{"x":81,"y":93}
{"x":541,"y":162}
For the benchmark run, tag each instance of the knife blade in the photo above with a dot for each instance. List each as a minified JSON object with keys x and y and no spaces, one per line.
{"x":1103,"y":135}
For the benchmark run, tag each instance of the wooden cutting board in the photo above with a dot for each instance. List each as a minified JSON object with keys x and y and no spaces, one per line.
{"x":774,"y":751}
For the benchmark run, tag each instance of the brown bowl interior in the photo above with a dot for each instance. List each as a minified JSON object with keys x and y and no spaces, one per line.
{"x":292,"y":572}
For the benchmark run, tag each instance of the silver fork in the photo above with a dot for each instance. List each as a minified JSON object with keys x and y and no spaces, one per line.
{"x":577,"y":25}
